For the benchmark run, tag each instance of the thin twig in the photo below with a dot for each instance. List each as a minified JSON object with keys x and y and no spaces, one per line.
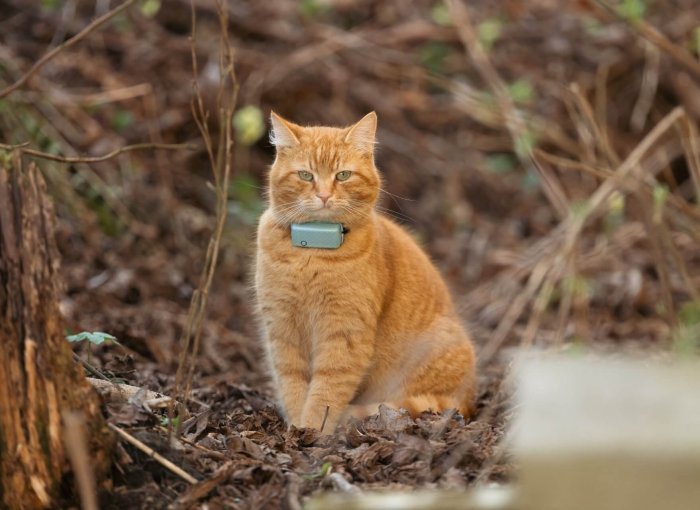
{"x":74,"y":439}
{"x":92,"y":370}
{"x":689,"y":138}
{"x":96,"y":159}
{"x":650,"y":33}
{"x":221,"y":170}
{"x":153,"y":454}
{"x":70,"y":42}
{"x":513,"y":118}
{"x":648,"y":88}
{"x":325,"y":417}
{"x":565,"y":237}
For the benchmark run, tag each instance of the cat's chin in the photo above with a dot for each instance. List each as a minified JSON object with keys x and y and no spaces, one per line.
{"x":324,"y":214}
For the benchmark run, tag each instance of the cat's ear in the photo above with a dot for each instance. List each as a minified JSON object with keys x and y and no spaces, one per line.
{"x":283,"y":132}
{"x":363,"y":134}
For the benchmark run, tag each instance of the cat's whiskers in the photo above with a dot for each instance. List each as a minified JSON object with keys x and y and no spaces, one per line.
{"x":395,"y":214}
{"x":352,"y":210}
{"x":396,"y":196}
{"x":283,"y":216}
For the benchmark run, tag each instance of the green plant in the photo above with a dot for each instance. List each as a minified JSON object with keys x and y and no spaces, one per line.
{"x":432,"y":56}
{"x":249,"y":124}
{"x":521,"y":91}
{"x":312,"y":8}
{"x":632,"y":10}
{"x":686,"y":335}
{"x":94,"y":337}
{"x":489,"y":31}
{"x":440,"y":14}
{"x":324,"y":471}
{"x":149,"y":8}
{"x":501,"y":163}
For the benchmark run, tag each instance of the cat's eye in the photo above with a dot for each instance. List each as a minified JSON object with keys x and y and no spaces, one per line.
{"x":343,"y":176}
{"x":305,"y":176}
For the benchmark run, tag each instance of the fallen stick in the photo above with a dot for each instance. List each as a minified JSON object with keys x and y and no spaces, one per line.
{"x":153,"y":454}
{"x":203,"y":488}
{"x":123,"y":393}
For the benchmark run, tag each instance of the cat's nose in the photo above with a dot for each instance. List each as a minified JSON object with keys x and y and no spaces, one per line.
{"x":324,"y":197}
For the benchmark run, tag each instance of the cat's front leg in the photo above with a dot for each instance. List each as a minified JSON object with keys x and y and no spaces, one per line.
{"x":290,"y":368}
{"x":340,"y":363}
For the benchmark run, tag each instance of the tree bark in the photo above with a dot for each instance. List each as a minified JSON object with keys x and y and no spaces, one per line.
{"x":38,"y":377}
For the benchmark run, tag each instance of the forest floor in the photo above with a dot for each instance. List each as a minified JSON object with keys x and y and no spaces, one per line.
{"x":540,"y":245}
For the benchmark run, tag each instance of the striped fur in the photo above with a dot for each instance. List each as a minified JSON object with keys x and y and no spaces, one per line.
{"x":370,"y":322}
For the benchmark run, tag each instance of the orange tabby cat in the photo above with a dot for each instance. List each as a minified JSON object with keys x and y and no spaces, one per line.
{"x":369,"y":322}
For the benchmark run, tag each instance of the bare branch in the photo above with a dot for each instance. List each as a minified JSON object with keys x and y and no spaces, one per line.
{"x":221,"y":171}
{"x":153,"y":454}
{"x":70,"y":42}
{"x":95,"y":159}
{"x":650,"y":33}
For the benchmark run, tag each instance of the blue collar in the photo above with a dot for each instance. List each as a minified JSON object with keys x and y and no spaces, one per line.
{"x":318,"y":234}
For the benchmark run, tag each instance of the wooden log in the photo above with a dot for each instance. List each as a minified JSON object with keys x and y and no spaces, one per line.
{"x":608,"y":434}
{"x":482,"y":498}
{"x":38,"y":377}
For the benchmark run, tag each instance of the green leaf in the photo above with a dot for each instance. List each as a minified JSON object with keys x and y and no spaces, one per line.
{"x":660,"y":195}
{"x":592,"y":26}
{"x":433,"y":55}
{"x":696,"y":40}
{"x":531,"y":180}
{"x":525,"y":142}
{"x":313,"y":8}
{"x":689,"y":314}
{"x":615,"y":215}
{"x":164,"y":421}
{"x":249,"y":124}
{"x":121,"y":120}
{"x":686,"y":340}
{"x":95,"y":337}
{"x":149,"y":8}
{"x":632,"y":10}
{"x":440,"y":14}
{"x":580,"y":208}
{"x":521,"y":91}
{"x":577,"y":285}
{"x":325,"y":470}
{"x":50,"y":5}
{"x":502,"y":163}
{"x":489,"y":32}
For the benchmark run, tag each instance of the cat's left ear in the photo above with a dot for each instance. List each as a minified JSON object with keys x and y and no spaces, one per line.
{"x":283,"y":133}
{"x":363,"y":134}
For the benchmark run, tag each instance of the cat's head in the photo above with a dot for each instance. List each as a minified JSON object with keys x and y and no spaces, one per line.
{"x":323,"y":173}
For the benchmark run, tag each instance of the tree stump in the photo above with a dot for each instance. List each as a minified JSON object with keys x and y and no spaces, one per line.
{"x":38,"y":378}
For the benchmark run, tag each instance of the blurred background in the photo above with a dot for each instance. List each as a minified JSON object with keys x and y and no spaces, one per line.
{"x":545,"y":153}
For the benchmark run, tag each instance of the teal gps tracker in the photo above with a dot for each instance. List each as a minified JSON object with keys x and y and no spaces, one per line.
{"x":317,"y":234}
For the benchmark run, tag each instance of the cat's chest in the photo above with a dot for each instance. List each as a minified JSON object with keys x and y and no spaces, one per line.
{"x":301,"y":270}
{"x":307,"y":278}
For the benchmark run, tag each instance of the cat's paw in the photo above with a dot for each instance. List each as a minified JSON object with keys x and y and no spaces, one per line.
{"x":325,"y":421}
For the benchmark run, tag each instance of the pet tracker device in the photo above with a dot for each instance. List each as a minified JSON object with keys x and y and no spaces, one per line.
{"x":317,"y":234}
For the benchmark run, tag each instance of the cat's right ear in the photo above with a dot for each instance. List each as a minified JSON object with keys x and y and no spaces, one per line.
{"x":283,"y":133}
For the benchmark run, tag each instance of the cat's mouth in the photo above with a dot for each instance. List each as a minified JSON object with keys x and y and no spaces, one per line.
{"x":325,"y":211}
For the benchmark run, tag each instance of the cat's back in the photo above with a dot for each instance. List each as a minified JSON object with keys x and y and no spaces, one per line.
{"x":413,"y":275}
